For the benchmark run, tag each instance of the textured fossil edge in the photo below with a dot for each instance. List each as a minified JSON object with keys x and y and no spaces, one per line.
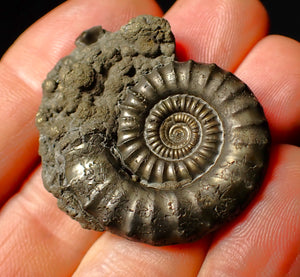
{"x":78,"y":129}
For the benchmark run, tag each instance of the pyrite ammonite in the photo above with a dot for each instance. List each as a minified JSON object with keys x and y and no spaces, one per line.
{"x":149,"y":148}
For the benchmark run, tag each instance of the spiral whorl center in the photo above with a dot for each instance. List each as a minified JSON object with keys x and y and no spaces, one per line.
{"x":179,"y":130}
{"x":174,"y":136}
{"x":172,"y":131}
{"x":179,"y":141}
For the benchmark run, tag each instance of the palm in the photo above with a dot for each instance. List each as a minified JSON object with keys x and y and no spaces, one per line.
{"x":39,"y":240}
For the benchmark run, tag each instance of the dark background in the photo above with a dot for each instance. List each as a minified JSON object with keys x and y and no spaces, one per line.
{"x":17,"y":15}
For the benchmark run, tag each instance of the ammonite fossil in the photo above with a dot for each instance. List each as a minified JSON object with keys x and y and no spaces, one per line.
{"x":149,"y":148}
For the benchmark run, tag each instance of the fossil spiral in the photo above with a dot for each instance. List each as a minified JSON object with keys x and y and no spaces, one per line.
{"x":194,"y":140}
{"x":155,"y":150}
{"x":166,"y":136}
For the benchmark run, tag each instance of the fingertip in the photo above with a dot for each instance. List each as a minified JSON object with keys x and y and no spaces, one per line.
{"x":272,"y":71}
{"x":38,"y":49}
{"x":115,"y":256}
{"x":216,"y":31}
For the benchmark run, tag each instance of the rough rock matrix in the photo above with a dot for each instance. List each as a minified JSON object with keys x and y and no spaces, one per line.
{"x":79,"y":105}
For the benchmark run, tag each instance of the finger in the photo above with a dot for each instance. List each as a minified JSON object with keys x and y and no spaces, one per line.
{"x":115,"y":256}
{"x":26,"y":64}
{"x":265,"y":240}
{"x":272,"y":70}
{"x":53,"y":36}
{"x":37,"y":238}
{"x":217,"y":31}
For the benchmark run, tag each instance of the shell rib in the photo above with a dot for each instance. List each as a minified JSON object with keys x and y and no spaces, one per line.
{"x":193,"y":143}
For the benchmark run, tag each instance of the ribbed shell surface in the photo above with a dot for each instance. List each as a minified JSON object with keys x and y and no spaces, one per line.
{"x":192,"y":145}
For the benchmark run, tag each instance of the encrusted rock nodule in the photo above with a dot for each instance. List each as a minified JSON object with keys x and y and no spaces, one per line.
{"x":152,"y":149}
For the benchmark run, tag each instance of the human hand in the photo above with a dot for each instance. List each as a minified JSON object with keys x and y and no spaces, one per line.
{"x":37,"y":239}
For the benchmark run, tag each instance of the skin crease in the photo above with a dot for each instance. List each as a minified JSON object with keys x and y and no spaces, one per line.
{"x":37,"y":239}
